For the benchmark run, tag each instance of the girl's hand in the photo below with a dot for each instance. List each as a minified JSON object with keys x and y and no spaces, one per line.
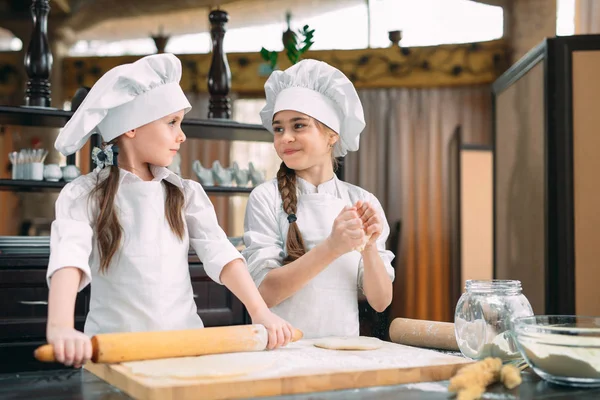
{"x":71,"y":347}
{"x":279,"y":330}
{"x":371,"y":221}
{"x":347,"y":232}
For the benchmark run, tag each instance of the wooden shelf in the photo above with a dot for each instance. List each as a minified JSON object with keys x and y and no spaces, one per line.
{"x":226,"y":189}
{"x":34,"y":116}
{"x":18,"y":185}
{"x":216,"y":129}
{"x":15,"y":185}
{"x":223,"y":129}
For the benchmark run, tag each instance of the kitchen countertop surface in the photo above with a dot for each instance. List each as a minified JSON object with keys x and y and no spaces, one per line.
{"x":71,"y":384}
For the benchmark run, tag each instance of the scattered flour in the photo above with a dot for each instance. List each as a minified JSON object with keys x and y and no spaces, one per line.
{"x":498,"y":396}
{"x":428,"y":387}
{"x":303,"y":358}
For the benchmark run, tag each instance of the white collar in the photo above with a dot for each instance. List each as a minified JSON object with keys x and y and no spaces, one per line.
{"x":159,"y":174}
{"x":329,"y":187}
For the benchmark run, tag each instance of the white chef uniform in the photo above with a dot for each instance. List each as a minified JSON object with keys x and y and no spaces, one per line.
{"x":147,"y":286}
{"x":328,"y":304}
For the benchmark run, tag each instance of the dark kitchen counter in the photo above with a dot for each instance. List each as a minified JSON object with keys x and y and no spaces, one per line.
{"x":70,"y":384}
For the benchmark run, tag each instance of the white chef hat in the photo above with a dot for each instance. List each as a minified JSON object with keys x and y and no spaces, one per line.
{"x":126,"y":97}
{"x":321,"y":91}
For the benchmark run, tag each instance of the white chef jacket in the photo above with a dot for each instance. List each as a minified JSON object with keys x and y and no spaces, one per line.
{"x":147,"y":286}
{"x":266,"y":228}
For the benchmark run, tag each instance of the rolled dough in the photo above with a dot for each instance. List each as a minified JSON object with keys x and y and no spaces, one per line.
{"x":202,"y":367}
{"x":349,"y":343}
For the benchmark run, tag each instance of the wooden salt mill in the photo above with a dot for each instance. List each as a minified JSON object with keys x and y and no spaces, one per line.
{"x":38,"y":58}
{"x":219,"y":75}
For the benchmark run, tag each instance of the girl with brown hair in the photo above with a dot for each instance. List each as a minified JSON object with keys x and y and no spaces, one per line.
{"x":127,"y":226}
{"x":312,"y":240}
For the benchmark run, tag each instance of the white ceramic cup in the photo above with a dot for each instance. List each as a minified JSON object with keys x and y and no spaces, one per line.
{"x":37,"y":171}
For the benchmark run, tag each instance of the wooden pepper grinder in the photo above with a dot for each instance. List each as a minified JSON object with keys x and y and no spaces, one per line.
{"x":219,"y":75}
{"x":38,"y":59}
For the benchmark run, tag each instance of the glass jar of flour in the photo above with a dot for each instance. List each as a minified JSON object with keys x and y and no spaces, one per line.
{"x":482,"y":321}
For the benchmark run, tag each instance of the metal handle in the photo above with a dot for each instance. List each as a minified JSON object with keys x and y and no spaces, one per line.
{"x":34,"y":303}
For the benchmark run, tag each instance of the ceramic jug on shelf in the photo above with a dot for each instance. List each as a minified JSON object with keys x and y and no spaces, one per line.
{"x":256,"y":176}
{"x":205,"y":175}
{"x":241,"y":176}
{"x":222,"y":176}
{"x":70,"y":172}
{"x":52,"y":172}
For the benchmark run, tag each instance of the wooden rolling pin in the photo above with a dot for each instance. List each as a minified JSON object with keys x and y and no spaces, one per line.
{"x":136,"y":346}
{"x":422,"y":333}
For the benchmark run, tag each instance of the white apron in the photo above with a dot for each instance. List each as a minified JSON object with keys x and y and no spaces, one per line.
{"x":328,"y":304}
{"x":147,"y":286}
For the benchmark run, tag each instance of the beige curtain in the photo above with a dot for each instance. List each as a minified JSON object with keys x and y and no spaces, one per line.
{"x":587,"y":17}
{"x":403,"y":161}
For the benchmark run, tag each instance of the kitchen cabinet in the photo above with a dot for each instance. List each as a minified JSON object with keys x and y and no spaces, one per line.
{"x":24,"y":307}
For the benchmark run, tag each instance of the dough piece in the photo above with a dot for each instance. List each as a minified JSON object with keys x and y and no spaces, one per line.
{"x":361,"y":247}
{"x":510,"y":376}
{"x":349,"y":343}
{"x":482,"y":373}
{"x":470,"y":393}
{"x":202,"y":367}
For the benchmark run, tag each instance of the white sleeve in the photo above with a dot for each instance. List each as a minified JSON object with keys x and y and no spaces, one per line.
{"x":206,"y":236}
{"x":71,"y":233}
{"x":262,"y":237}
{"x":386,"y":255}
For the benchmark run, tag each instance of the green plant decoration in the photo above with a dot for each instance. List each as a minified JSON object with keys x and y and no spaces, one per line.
{"x":293,"y":47}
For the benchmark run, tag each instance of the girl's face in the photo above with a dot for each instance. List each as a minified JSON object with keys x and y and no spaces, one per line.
{"x":299,"y":142}
{"x":157,"y":143}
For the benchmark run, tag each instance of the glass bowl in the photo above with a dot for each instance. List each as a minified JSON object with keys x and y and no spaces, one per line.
{"x":562,"y":349}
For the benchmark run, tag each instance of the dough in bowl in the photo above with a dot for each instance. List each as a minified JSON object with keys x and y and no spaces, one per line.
{"x":349,"y":343}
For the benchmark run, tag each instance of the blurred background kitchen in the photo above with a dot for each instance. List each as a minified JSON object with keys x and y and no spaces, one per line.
{"x":424,"y":70}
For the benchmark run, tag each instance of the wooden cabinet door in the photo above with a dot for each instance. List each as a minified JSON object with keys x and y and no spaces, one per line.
{"x":217,"y":306}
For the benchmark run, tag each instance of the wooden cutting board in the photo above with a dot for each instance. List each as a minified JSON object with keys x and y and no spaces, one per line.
{"x":299,"y":368}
